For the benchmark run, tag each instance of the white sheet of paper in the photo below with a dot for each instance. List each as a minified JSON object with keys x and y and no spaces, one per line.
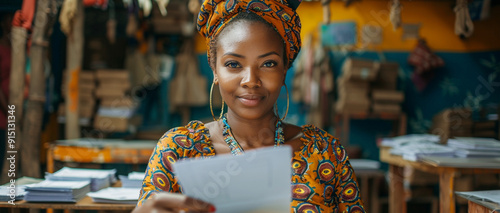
{"x":489,"y":195}
{"x":257,"y":181}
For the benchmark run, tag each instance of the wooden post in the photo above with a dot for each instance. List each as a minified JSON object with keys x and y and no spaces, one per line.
{"x":446,"y":193}
{"x":74,"y":59}
{"x":32,"y":124}
{"x":397,"y":199}
{"x":16,"y":87}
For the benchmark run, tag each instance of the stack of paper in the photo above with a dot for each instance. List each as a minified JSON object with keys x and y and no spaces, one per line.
{"x":57,"y":191}
{"x":133,"y":180}
{"x":475,"y":147}
{"x":414,"y":151}
{"x":116,"y":195}
{"x":489,"y":195}
{"x":408,"y":139}
{"x":98,"y":178}
{"x":16,"y":192}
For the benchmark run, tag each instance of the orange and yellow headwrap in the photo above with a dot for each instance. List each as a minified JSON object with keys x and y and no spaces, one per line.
{"x":215,"y":14}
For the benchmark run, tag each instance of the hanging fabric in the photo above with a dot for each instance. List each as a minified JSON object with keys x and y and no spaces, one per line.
{"x":395,"y":14}
{"x":463,"y":23}
{"x":188,"y":87}
{"x":66,"y":16}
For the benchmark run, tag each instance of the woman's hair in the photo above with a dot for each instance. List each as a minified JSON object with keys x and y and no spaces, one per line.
{"x":243,"y":16}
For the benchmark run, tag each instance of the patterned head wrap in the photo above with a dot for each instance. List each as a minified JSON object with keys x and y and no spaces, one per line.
{"x":215,"y":14}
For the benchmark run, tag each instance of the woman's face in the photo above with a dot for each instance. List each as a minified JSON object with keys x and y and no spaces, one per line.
{"x":250,"y":68}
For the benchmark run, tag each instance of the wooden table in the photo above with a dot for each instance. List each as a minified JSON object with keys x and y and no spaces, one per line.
{"x":397,"y":202}
{"x":84,"y":204}
{"x":100,"y":151}
{"x":479,"y":206}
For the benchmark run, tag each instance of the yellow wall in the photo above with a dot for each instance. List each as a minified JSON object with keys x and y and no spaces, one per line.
{"x":436,"y":17}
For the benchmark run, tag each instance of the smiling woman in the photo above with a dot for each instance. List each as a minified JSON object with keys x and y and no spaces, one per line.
{"x":251,"y":45}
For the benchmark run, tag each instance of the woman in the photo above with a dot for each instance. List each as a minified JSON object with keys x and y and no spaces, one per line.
{"x":251,"y":45}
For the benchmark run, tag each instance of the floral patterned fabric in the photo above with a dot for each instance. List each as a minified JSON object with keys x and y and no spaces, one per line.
{"x":322,"y":178}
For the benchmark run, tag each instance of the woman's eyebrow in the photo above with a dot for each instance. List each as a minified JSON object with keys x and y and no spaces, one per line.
{"x":234,"y":54}
{"x":268,"y":54}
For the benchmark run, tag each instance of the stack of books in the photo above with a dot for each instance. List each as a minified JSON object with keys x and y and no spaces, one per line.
{"x":57,"y":191}
{"x":133,"y":180}
{"x":468,"y":147}
{"x":354,"y":85}
{"x":116,"y":195}
{"x":98,"y":178}
{"x":385,"y":97}
{"x":116,"y":106}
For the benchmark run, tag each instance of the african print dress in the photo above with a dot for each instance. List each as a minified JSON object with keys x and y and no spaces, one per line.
{"x":322,"y":178}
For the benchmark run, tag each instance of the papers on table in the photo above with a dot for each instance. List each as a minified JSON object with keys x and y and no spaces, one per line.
{"x":490,"y":195}
{"x":98,"y":178}
{"x":408,"y":139}
{"x":414,"y":151}
{"x":17,"y":192}
{"x":258,"y":181}
{"x":133,"y":180}
{"x":116,"y":195}
{"x":16,"y":189}
{"x":57,"y":191}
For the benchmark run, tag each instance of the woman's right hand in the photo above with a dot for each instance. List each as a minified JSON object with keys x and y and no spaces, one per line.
{"x":165,"y":202}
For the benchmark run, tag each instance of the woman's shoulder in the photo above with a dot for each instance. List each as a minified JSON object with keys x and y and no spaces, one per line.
{"x":192,"y":136}
{"x":317,"y":139}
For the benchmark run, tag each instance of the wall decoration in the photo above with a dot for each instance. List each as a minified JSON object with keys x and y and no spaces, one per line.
{"x":340,"y":33}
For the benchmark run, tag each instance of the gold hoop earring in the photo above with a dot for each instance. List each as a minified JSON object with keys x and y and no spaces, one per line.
{"x":211,"y":99}
{"x":287,"y":105}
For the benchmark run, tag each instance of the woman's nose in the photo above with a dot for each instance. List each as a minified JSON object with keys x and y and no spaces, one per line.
{"x":251,"y":78}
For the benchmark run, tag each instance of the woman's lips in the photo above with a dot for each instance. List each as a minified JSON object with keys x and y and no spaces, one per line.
{"x":250,"y":100}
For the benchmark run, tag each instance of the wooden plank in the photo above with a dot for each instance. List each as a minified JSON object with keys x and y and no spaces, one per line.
{"x":16,"y":90}
{"x":32,"y":123}
{"x":446,"y":192}
{"x":74,"y":65}
{"x":84,"y":204}
{"x":476,"y":208}
{"x":397,"y":200}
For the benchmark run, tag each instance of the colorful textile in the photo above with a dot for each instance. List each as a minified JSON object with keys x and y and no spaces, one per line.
{"x":322,"y":177}
{"x":215,"y":14}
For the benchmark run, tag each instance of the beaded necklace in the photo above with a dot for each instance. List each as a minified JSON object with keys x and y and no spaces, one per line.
{"x":235,"y":147}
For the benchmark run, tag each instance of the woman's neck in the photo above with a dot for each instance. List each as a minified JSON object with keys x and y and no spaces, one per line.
{"x":253,"y":133}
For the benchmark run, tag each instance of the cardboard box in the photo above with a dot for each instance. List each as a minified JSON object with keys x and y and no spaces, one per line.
{"x":111,"y":124}
{"x":117,"y":102}
{"x":386,"y":108}
{"x":109,"y":93}
{"x":355,"y":105}
{"x":387,"y":96}
{"x":358,"y":69}
{"x":348,"y":86}
{"x":112,"y":74}
{"x":387,"y":77}
{"x":114,"y":85}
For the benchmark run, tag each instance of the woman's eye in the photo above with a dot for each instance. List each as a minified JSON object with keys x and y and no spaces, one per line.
{"x":269,"y":64}
{"x":232,"y":64}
